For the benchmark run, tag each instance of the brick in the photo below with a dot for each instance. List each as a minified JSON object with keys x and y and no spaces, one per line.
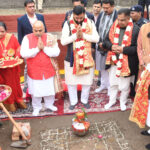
{"x":15,"y":133}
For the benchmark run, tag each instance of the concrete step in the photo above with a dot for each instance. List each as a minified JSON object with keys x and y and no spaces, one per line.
{"x":59,"y":3}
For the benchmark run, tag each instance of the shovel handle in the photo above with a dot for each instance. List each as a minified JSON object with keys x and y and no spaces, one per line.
{"x":13,"y":121}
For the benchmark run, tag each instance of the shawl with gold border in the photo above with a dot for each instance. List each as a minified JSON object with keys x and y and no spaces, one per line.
{"x":140,"y":105}
{"x":125,"y":70}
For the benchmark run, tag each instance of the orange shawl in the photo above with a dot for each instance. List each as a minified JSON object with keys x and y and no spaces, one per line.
{"x":125,"y":71}
{"x":140,"y":107}
{"x":87,"y":56}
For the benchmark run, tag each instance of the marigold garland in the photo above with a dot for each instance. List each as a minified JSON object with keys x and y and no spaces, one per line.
{"x":79,"y":43}
{"x":119,"y":61}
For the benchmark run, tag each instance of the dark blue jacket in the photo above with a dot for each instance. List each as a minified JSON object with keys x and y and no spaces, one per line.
{"x":24,"y":27}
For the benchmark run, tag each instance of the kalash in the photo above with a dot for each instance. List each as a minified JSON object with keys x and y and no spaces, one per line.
{"x":80,"y":124}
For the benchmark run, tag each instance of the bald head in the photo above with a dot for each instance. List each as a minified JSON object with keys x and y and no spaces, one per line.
{"x":38,"y":28}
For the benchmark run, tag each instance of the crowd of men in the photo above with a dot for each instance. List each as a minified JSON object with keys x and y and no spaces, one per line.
{"x":116,"y":41}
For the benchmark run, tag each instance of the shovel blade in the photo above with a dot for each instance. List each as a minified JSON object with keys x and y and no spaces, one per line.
{"x":19,"y":144}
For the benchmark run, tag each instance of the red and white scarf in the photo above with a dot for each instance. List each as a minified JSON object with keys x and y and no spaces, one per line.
{"x":124,"y":43}
{"x":79,"y":43}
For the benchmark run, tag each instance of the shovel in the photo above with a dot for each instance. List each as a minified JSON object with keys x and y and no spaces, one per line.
{"x":18,"y":144}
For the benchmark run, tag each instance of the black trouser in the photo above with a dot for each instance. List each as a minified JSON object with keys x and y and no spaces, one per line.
{"x":144,"y":3}
{"x":132,"y":86}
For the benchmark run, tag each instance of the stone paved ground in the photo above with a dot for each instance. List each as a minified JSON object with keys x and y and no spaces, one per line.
{"x":64,"y":139}
{"x":115,"y":127}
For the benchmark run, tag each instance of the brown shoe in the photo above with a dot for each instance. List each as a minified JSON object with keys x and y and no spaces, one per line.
{"x":10,"y":107}
{"x":22,"y":105}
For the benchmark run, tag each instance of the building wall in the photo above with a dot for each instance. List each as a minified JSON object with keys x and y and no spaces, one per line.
{"x":59,"y":3}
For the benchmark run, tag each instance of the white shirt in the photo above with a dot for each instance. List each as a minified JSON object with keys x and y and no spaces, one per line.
{"x":32,"y":20}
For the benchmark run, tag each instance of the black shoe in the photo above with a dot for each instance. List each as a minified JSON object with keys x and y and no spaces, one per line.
{"x":145,"y":133}
{"x":132,"y":90}
{"x":87,"y":106}
{"x":98,"y":83}
{"x":147,"y":146}
{"x":71,"y":107}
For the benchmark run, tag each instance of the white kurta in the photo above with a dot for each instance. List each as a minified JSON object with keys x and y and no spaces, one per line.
{"x":45,"y":87}
{"x":41,"y":88}
{"x":123,"y":83}
{"x":71,"y":79}
{"x":118,"y":84}
{"x":66,"y":39}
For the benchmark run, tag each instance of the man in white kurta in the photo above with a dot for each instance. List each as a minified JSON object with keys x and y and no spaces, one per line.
{"x":79,"y":28}
{"x":40,"y":70}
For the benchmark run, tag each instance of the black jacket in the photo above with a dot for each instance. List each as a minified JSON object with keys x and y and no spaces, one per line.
{"x":131,"y":51}
{"x":142,"y":21}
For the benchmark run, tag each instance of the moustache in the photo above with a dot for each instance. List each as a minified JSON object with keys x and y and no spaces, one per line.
{"x":79,"y":23}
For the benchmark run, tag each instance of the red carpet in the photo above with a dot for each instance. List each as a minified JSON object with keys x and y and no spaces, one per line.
{"x":97,"y":102}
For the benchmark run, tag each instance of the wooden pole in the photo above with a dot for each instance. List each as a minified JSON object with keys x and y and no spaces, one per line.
{"x":13,"y":121}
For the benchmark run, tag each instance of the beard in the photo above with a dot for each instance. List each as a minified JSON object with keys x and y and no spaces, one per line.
{"x":78,"y":23}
